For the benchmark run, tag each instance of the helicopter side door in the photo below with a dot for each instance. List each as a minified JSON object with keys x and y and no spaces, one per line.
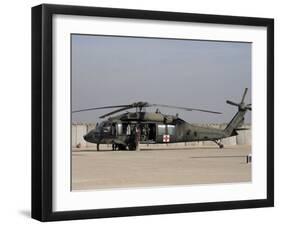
{"x":125,"y":129}
{"x":148,"y":133}
{"x":171,"y":131}
{"x":166,"y":133}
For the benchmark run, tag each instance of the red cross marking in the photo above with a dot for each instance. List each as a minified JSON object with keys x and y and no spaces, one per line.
{"x":166,"y":138}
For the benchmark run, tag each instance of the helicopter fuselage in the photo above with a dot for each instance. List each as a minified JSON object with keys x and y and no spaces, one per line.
{"x":132,"y":128}
{"x":129,"y":129}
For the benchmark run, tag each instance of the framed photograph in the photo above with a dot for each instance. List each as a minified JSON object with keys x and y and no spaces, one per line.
{"x":145,"y":112}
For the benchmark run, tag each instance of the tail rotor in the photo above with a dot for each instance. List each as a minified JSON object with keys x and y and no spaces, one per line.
{"x":238,"y":119}
{"x":242,"y":106}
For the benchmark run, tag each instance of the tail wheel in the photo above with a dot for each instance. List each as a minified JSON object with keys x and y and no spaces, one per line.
{"x":218,"y":142}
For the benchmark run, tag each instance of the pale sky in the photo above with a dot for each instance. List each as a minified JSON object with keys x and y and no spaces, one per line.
{"x":108,"y":70}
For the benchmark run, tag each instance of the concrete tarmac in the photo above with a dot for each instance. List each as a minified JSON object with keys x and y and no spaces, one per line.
{"x":152,"y":166}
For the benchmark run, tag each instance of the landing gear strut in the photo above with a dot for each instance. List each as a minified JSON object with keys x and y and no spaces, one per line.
{"x":218,"y":142}
{"x":132,"y":146}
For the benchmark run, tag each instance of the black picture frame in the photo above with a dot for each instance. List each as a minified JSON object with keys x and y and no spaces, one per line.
{"x":42,"y":111}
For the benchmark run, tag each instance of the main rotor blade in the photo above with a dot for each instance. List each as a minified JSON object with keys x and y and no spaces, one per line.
{"x":116,"y":111}
{"x":244,"y":95}
{"x":232,"y":103}
{"x":91,"y":109}
{"x":141,"y":105}
{"x":183,"y":108}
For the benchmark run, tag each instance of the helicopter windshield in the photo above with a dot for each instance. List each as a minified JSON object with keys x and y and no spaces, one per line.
{"x":104,"y":127}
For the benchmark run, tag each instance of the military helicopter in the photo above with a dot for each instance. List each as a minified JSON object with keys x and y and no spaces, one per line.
{"x":126,"y":131}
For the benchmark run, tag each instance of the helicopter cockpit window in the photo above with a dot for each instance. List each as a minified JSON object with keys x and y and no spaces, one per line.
{"x":104,"y":127}
{"x":99,"y":127}
{"x":107,"y":129}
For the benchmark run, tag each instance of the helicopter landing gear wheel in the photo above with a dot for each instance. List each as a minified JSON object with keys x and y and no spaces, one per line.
{"x":121,"y":147}
{"x":132,"y":146}
{"x":218,"y":142}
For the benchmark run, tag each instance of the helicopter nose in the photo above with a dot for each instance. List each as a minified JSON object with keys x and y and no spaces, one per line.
{"x":89,"y":137}
{"x":85,"y":137}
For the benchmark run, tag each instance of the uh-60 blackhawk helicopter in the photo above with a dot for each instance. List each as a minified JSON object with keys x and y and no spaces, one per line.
{"x":127,"y":130}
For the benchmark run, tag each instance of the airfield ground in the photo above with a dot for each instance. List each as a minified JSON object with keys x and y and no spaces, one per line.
{"x":152,"y":166}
